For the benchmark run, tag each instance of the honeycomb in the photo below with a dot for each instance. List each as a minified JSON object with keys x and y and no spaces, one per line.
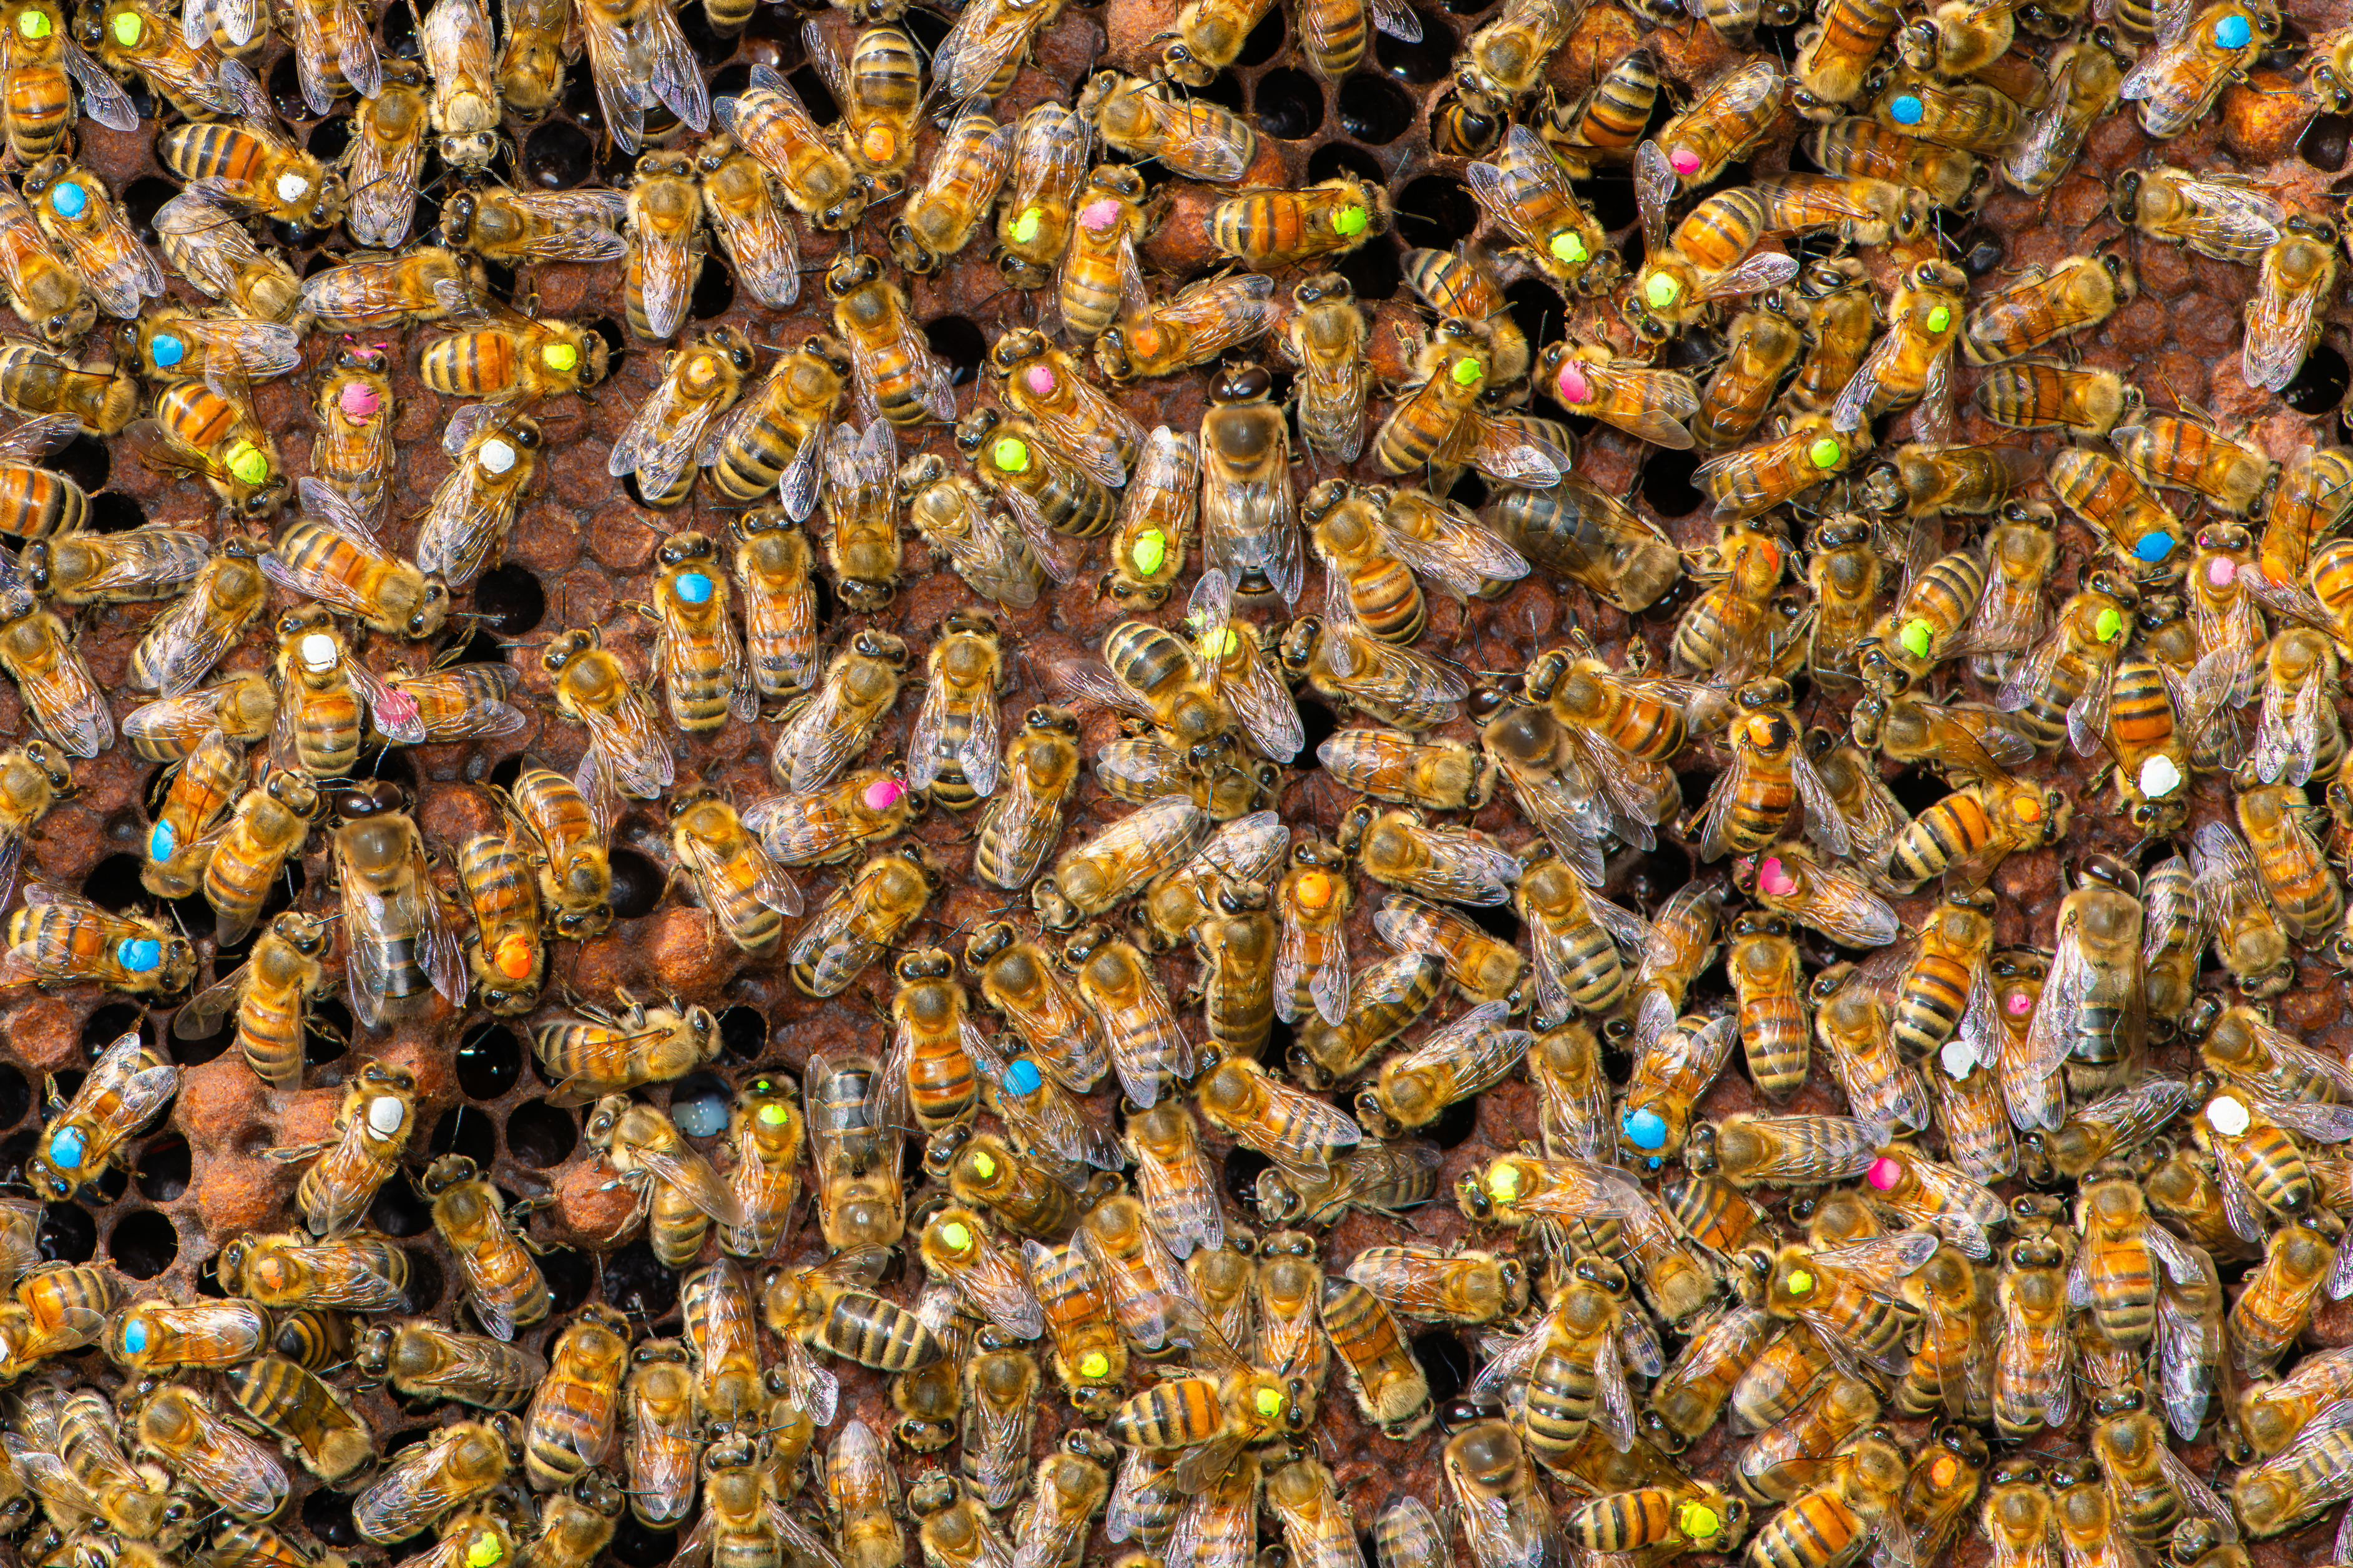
{"x":581,"y":554}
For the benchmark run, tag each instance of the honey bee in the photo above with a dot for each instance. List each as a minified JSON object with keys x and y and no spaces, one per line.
{"x":862,"y":917}
{"x":1579,"y":531}
{"x":371,"y":1129}
{"x":1340,"y":658}
{"x":44,"y":286}
{"x":1281,"y":228}
{"x":250,"y":165}
{"x":205,"y":244}
{"x":1527,"y":193}
{"x":676,"y":1188}
{"x":431,"y":1479}
{"x":699,"y":385}
{"x":1018,"y":981}
{"x":953,"y":1531}
{"x":466,"y":523}
{"x":399,"y":943}
{"x":2041,"y":306}
{"x":2043,"y":394}
{"x":362,"y":1271}
{"x":157,"y":1336}
{"x":1196,"y":139}
{"x":126,"y":1088}
{"x":2084,"y":77}
{"x":1504,"y":1513}
{"x":220,"y":440}
{"x":423,"y":283}
{"x":1208,"y":38}
{"x":624,"y":751}
{"x":57,"y":940}
{"x":2248,"y":936}
{"x":1199,"y":323}
{"x":77,"y":212}
{"x":424,"y":1361}
{"x":575,"y":877}
{"x":663,"y":1438}
{"x":331,"y":556}
{"x":2298,"y":269}
{"x":1066,"y":1493}
{"x":1097,"y":270}
{"x":131,"y":39}
{"x":1399,"y":849}
{"x":956,"y":192}
{"x":2197,"y":54}
{"x":38,"y":383}
{"x":1050,"y":161}
{"x":894,"y":374}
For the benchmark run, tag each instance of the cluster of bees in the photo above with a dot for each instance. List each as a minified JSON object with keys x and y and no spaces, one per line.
{"x":2073,"y":1228}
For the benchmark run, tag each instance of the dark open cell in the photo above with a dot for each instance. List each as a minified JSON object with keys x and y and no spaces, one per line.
{"x":1374,"y":108}
{"x":505,"y":771}
{"x":68,"y":1233}
{"x":1667,"y":482}
{"x":163,"y":1168}
{"x":1225,"y":91}
{"x":640,"y":1545}
{"x":1455,"y":1123}
{"x":318,"y":261}
{"x":714,"y":290}
{"x":209,"y":1284}
{"x":1241,"y":1176}
{"x":399,"y":1209}
{"x":328,"y":1516}
{"x":636,"y":884}
{"x":509,"y":599}
{"x":1611,"y":198}
{"x":541,"y":1136}
{"x":329,"y":138}
{"x":109,"y":1184}
{"x":815,"y":95}
{"x":709,"y":46}
{"x":1535,"y":308}
{"x":731,"y":81}
{"x":143,"y":102}
{"x":1655,"y":874}
{"x":929,"y":28}
{"x":399,"y":33}
{"x":1470,"y":490}
{"x":638,"y":1285}
{"x":463,"y":1129}
{"x":557,"y":156}
{"x":1372,"y":270}
{"x":742,"y":1034}
{"x":285,"y":90}
{"x":1444,"y":1362}
{"x":2319,"y":386}
{"x":489,"y":1058}
{"x":424,"y":1280}
{"x":107,"y":1024}
{"x":143,"y":198}
{"x":328,"y":1033}
{"x":699,"y":1104}
{"x":1280,"y":1039}
{"x":16,"y":1096}
{"x":1419,"y":61}
{"x":1290,"y":105}
{"x":2323,"y":143}
{"x":1333,"y":159}
{"x":112,"y":512}
{"x":1436,"y":211}
{"x":961,"y":343}
{"x":1265,"y":40}
{"x":1980,"y":251}
{"x":85,"y":460}
{"x":1916,"y":790}
{"x":142,"y":1244}
{"x":14,"y":1151}
{"x":482,"y":648}
{"x":1316,"y":722}
{"x":569,"y":1275}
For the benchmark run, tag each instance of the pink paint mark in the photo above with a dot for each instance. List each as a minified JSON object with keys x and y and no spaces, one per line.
{"x":2019,"y":1006}
{"x":883,"y":794}
{"x":1097,"y":217}
{"x":1040,"y":379}
{"x":2220,"y":571}
{"x":1774,"y":878}
{"x":396,"y":705}
{"x":1573,"y":385}
{"x":1683,"y":162}
{"x":359,"y":401}
{"x":1884,"y":1174}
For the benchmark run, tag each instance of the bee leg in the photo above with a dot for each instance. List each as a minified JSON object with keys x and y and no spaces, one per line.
{"x":288,"y":1156}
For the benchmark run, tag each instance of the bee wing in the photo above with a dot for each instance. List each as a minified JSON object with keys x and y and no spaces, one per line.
{"x":2278,"y":324}
{"x":1398,"y":20}
{"x":674,"y":74}
{"x":1140,"y":1473}
{"x":1852,"y":407}
{"x":2087,"y":716}
{"x":983,"y":750}
{"x":997,"y":1287}
{"x":666,"y":258}
{"x":1182,"y":1196}
{"x":384,"y":189}
{"x":1463,"y":554}
{"x":2236,"y":222}
{"x":1822,"y":813}
{"x":1323,"y":958}
{"x":1766,"y":269}
{"x":2026,"y":1065}
{"x":1233,"y":539}
{"x":767,"y":257}
{"x":693,"y":1176}
{"x":103,"y":98}
{"x":646,"y":434}
{"x":984,"y":37}
{"x":36,"y":438}
{"x":1082,"y":436}
{"x":67,"y":703}
{"x":1501,"y":450}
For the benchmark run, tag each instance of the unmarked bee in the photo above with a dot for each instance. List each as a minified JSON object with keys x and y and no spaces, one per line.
{"x":2083,"y":75}
{"x":1198,"y":323}
{"x":2040,"y":306}
{"x":2297,"y":271}
{"x":2248,"y":937}
{"x":625,"y":753}
{"x":2043,"y":395}
{"x":774,"y":438}
{"x":208,"y":246}
{"x":733,"y":878}
{"x":825,"y":730}
{"x":1195,"y":138}
{"x":895,"y":374}
{"x":862,"y":917}
{"x":676,"y":1187}
{"x":331,"y":556}
{"x":958,"y":188}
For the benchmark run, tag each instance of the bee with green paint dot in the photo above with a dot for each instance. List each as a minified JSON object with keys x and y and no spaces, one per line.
{"x":1052,"y":498}
{"x":226,"y":445}
{"x":1914,"y":361}
{"x":1526,"y":192}
{"x":1267,"y":229}
{"x":958,"y":520}
{"x":1033,"y":228}
{"x":1756,"y":478}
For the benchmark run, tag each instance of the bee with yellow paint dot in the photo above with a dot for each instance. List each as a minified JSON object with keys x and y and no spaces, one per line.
{"x":514,"y":360}
{"x":1281,"y":228}
{"x":1691,"y":1517}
